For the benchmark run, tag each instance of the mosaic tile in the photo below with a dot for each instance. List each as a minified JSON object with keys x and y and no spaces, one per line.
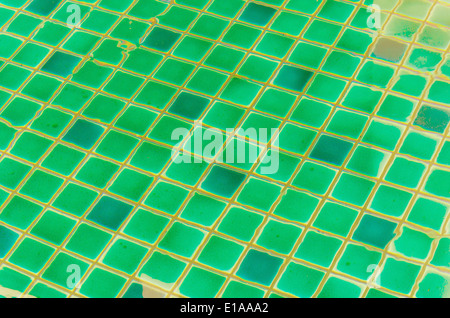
{"x":341,"y":108}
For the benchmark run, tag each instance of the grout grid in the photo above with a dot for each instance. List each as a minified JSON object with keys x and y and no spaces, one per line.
{"x":334,"y":279}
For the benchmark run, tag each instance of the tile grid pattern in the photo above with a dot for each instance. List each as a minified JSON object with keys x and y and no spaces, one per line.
{"x":249,"y":173}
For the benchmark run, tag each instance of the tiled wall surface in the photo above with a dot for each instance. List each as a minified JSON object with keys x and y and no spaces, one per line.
{"x":92,"y":204}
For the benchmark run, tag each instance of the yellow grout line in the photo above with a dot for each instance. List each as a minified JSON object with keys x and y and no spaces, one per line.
{"x":248,"y":173}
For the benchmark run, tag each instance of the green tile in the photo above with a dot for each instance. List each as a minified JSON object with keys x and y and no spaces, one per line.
{"x":292,"y":78}
{"x":257,"y":14}
{"x":428,"y":213}
{"x":398,"y":275}
{"x":51,"y":33}
{"x":12,"y":76}
{"x":259,"y":194}
{"x":340,"y":63}
{"x":31,"y":255}
{"x":97,"y":172}
{"x":228,"y":10}
{"x":163,"y":268}
{"x":20,"y":111}
{"x":30,"y":146}
{"x":43,"y":291}
{"x":222,"y":181}
{"x":41,"y":87}
{"x":240,"y":91}
{"x":123,"y":84}
{"x":181,"y":239}
{"x":72,"y":97}
{"x":278,"y":236}
{"x":174,"y":71}
{"x":130,"y":184}
{"x":391,"y":201}
{"x":296,"y":206}
{"x":355,"y":41}
{"x":224,"y":58}
{"x":150,"y":157}
{"x":61,"y":267}
{"x":124,"y":255}
{"x":320,"y":87}
{"x":300,"y":280}
{"x":166,"y":197}
{"x":259,"y":267}
{"x":432,"y":286}
{"x":396,"y":108}
{"x":31,"y":55}
{"x":142,"y":61}
{"x":12,"y":172}
{"x":102,"y":284}
{"x":348,"y":124}
{"x":322,"y":32}
{"x":336,"y":11}
{"x":237,"y":289}
{"x":192,"y":48}
{"x":432,"y":118}
{"x":136,"y":120}
{"x":129,"y":30}
{"x":53,"y":227}
{"x":412,"y":243}
{"x":202,"y":210}
{"x":161,"y":39}
{"x":367,"y":161}
{"x":313,"y":177}
{"x":331,"y":150}
{"x":88,"y":241}
{"x":91,"y":74}
{"x":405,"y":172}
{"x":290,"y":23}
{"x":338,"y":288}
{"x":335,"y":218}
{"x":99,"y":21}
{"x":274,"y":44}
{"x":209,"y":26}
{"x":109,"y":52}
{"x":23,"y":24}
{"x":311,"y":112}
{"x":241,"y":35}
{"x":75,"y":199}
{"x":189,"y":105}
{"x":20,"y":212}
{"x":240,"y":223}
{"x":146,"y":226}
{"x":81,"y":42}
{"x":382,"y":134}
{"x":178,"y":17}
{"x":220,"y":253}
{"x":51,"y":121}
{"x":163,"y":130}
{"x":116,"y":145}
{"x":308,"y":250}
{"x":9,"y":238}
{"x":10,"y":278}
{"x":41,"y":186}
{"x":375,"y":74}
{"x":9,"y":45}
{"x":200,"y":283}
{"x":357,"y":261}
{"x":109,"y":212}
{"x":362,"y":98}
{"x":296,"y":139}
{"x":374,"y":231}
{"x":441,"y":256}
{"x":61,"y":64}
